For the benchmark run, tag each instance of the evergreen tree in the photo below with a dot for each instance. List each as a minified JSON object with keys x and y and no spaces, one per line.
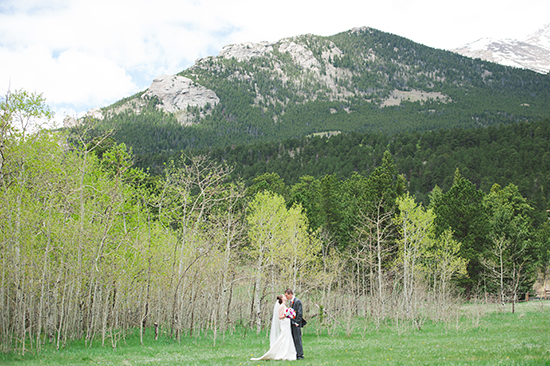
{"x":514,"y":254}
{"x":461,"y":210}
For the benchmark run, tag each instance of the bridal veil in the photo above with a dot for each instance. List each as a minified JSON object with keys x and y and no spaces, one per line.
{"x":275,"y":326}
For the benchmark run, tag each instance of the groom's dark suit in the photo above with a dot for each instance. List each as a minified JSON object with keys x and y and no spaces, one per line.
{"x":296,"y":325}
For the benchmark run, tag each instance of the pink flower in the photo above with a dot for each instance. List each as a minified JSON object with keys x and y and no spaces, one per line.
{"x":290,"y":313}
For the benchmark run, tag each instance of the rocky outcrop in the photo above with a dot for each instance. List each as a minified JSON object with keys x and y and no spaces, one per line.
{"x":94,"y":113}
{"x":300,"y":54}
{"x":176,"y":93}
{"x":179,"y":95}
{"x":245,"y":51}
{"x":397,"y":96}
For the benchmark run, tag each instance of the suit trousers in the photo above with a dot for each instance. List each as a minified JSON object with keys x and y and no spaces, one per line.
{"x":297,"y":336}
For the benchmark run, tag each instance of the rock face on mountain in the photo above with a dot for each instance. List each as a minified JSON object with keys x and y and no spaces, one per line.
{"x":300,"y":54}
{"x":245,"y":51}
{"x":533,"y":53}
{"x":313,"y":71}
{"x":176,"y":93}
{"x":94,"y":113}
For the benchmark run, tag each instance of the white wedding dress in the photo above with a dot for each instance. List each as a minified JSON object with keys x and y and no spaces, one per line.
{"x":281,"y":341}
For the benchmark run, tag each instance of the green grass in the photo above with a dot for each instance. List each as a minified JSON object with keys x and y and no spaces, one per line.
{"x":522,"y":338}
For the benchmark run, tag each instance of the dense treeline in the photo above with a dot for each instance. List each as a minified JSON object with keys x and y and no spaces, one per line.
{"x":92,"y":248}
{"x":336,"y":206}
{"x":517,"y":154}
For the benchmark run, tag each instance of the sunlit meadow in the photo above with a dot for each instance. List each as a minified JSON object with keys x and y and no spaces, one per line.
{"x":482,"y":335}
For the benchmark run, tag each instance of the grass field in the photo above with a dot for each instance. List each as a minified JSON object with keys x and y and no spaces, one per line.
{"x":491,"y":338}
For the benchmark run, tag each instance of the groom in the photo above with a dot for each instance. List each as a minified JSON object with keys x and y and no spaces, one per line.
{"x":296,"y":323}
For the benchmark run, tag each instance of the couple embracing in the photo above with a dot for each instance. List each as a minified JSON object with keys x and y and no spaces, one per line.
{"x":285,"y":340}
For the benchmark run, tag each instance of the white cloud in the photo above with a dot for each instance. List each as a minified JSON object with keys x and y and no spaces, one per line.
{"x":82,"y":54}
{"x":86,"y":53}
{"x":73,"y":77}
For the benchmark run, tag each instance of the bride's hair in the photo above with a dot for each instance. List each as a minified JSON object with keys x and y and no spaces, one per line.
{"x":280,"y":298}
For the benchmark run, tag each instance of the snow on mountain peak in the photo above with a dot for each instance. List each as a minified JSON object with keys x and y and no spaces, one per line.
{"x":533,"y":53}
{"x":541,"y":37}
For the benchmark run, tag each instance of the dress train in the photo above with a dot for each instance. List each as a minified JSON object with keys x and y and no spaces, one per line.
{"x":283,"y":348}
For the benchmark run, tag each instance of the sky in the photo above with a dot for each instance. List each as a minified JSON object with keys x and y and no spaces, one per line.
{"x":82,"y":54}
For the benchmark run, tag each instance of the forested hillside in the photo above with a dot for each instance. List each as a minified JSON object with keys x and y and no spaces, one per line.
{"x":361,"y":80}
{"x":515,"y":153}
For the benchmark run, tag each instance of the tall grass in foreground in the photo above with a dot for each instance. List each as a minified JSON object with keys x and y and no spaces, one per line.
{"x":482,"y":335}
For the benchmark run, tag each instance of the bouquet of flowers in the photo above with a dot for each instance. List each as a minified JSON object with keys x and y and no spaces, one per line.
{"x":290,"y":313}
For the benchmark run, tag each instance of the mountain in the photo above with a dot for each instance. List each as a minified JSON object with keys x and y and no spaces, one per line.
{"x":361,"y":80}
{"x":532,"y":53}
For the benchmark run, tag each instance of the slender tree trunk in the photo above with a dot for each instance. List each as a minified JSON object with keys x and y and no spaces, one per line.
{"x":42,"y":290}
{"x":379,"y":263}
{"x":228,"y":312}
{"x":501,"y":279}
{"x":143,"y":322}
{"x":251,"y":321}
{"x":4,"y":306}
{"x":61,"y":318}
{"x":22,"y":314}
{"x":406,"y":268}
{"x":257,"y":295}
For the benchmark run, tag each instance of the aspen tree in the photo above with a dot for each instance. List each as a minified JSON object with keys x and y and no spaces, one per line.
{"x":416,"y":233}
{"x":266,"y":220}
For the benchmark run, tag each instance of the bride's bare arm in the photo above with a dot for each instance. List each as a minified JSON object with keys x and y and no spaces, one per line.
{"x":282,"y":311}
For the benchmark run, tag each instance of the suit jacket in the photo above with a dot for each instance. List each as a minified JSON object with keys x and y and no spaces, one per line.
{"x":297,"y":306}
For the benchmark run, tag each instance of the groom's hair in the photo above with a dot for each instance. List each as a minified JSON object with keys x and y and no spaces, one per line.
{"x":289,"y":291}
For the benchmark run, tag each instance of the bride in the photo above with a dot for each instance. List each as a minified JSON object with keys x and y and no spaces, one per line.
{"x":281,"y":343}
